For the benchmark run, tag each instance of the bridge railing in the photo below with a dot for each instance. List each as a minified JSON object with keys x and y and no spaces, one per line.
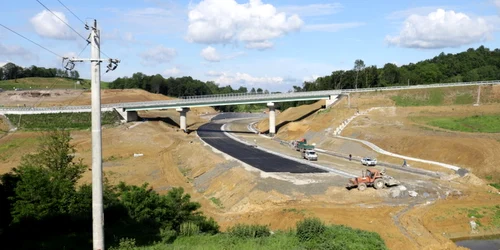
{"x":422,"y":86}
{"x":260,"y":95}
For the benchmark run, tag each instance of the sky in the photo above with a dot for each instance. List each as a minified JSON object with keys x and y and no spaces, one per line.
{"x":252,"y":43}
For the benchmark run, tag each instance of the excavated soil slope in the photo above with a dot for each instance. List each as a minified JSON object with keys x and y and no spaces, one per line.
{"x":397,"y":130}
{"x":65,"y":97}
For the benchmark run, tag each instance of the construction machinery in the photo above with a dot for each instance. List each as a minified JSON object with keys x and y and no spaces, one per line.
{"x":307,"y":151}
{"x":309,"y":155}
{"x":301,"y":145}
{"x":372,"y":177}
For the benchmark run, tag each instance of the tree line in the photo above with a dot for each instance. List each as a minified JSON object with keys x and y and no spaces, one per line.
{"x":176,"y":87}
{"x":184,"y":86}
{"x":11,"y":71}
{"x":472,"y":65}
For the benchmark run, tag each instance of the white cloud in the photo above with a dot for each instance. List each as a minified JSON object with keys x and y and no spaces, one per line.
{"x":312,"y":9}
{"x":424,"y":10}
{"x":116,"y":35}
{"x":216,"y":21}
{"x":172,"y":72}
{"x":15,"y":51}
{"x":128,"y":36}
{"x":168,"y":18}
{"x":49,"y":26}
{"x":310,"y":78}
{"x":245,"y":79}
{"x":332,"y":27}
{"x":441,"y":29}
{"x":210,"y":54}
{"x":497,"y":3}
{"x":214,"y":73}
{"x":259,"y":45}
{"x":157,"y":55}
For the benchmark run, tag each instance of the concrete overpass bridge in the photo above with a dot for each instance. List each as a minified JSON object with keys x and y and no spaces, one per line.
{"x":128,"y":111}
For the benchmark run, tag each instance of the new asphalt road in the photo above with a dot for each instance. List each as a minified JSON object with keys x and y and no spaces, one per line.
{"x":212,"y":134}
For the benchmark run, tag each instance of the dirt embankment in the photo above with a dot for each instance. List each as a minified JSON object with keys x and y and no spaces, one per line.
{"x":65,"y":97}
{"x":398,"y":129}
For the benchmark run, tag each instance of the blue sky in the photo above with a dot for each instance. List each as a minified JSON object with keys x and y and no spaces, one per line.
{"x":252,"y":43}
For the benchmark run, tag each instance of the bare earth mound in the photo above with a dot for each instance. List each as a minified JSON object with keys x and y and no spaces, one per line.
{"x":69,"y":97}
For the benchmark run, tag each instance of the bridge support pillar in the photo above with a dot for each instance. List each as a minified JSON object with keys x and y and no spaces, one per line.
{"x":331,"y":100}
{"x":127,"y":116}
{"x":272,"y":119}
{"x":183,"y":120}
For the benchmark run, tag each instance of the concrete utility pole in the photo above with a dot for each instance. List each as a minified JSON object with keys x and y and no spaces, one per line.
{"x":95,"y":73}
{"x":97,"y":206}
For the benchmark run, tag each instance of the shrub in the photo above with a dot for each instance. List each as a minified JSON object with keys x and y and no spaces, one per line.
{"x":189,"y":229}
{"x":208,"y":226}
{"x":125,"y":244}
{"x":168,"y":235}
{"x":249,"y":231}
{"x":310,"y":228}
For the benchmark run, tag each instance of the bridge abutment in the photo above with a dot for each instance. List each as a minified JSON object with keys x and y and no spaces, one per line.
{"x":272,"y":118}
{"x":127,"y":116}
{"x":329,"y":102}
{"x":183,"y":119}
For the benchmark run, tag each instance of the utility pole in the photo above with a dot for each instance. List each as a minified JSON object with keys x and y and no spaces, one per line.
{"x":95,"y":73}
{"x":97,"y":206}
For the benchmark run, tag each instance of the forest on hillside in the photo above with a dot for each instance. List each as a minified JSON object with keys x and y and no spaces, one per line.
{"x":11,"y":71}
{"x":472,"y":65}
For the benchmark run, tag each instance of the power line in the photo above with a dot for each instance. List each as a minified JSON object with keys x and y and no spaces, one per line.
{"x":72,"y":13}
{"x":62,"y":20}
{"x":82,"y":50}
{"x":31,"y":41}
{"x":69,"y":25}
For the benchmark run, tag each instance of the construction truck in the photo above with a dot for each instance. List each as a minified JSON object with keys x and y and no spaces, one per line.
{"x":309,"y":154}
{"x":306,"y":150}
{"x":372,"y":177}
{"x":301,"y":145}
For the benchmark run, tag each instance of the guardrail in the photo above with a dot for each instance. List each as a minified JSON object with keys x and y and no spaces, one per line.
{"x":424,"y":86}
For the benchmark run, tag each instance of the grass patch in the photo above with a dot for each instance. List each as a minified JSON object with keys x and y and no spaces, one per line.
{"x":112,"y":158}
{"x":465,"y":98}
{"x":217,"y":202}
{"x":14,"y":144}
{"x":294,"y":210}
{"x":495,"y":185}
{"x":474,"y":213}
{"x":477,"y":123}
{"x":47,"y":83}
{"x":244,"y":237}
{"x":324,"y":111}
{"x":60,"y":120}
{"x":435,"y":98}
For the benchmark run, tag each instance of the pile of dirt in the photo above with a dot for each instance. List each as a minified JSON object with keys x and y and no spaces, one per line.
{"x":65,"y":97}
